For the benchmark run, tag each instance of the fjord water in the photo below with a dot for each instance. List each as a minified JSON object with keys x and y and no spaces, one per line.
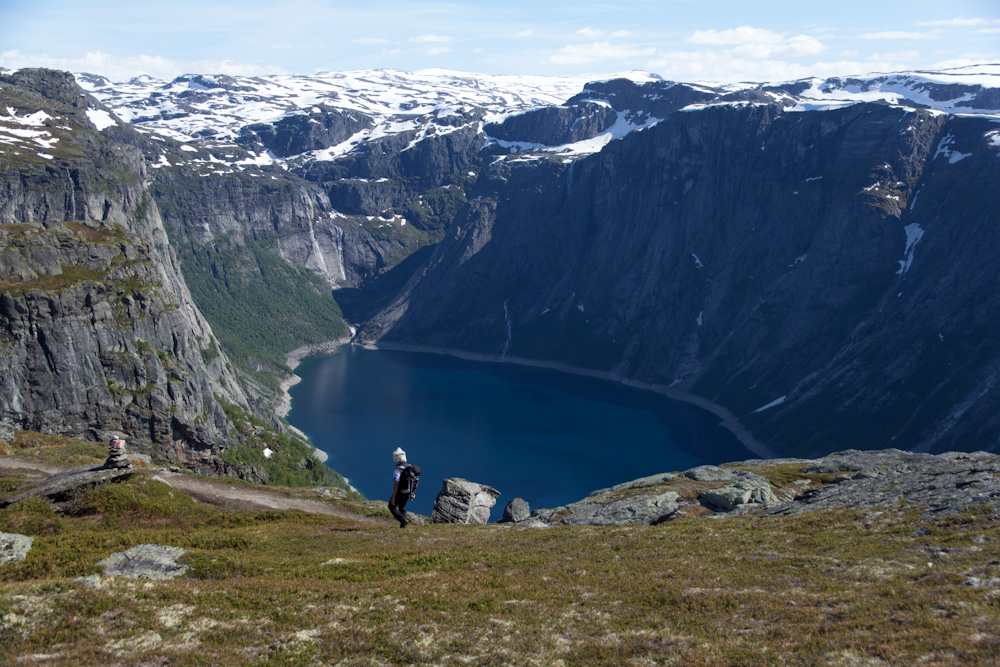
{"x":546,"y":436}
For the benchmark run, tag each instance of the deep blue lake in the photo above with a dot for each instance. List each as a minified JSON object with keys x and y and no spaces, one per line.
{"x":546,"y":436}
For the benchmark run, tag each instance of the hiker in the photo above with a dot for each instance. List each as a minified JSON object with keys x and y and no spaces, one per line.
{"x":404,"y":486}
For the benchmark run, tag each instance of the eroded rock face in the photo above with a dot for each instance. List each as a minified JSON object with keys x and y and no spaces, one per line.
{"x":145,"y":561}
{"x":14,"y":547}
{"x":98,"y":329}
{"x":462,"y":501}
{"x":777,"y":294}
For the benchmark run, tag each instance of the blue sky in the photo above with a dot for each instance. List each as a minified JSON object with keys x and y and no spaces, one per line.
{"x":683,"y":40}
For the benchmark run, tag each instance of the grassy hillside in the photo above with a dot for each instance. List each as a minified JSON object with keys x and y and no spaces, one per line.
{"x":289,"y":588}
{"x":260,"y":306}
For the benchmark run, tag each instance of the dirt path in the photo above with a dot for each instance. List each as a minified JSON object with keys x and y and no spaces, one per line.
{"x":214,"y":492}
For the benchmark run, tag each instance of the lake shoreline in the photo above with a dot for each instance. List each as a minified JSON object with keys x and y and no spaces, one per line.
{"x":283,"y":404}
{"x":729,"y":421}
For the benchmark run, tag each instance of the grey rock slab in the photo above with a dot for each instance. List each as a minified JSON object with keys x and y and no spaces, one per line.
{"x":462,"y":501}
{"x":64,"y":483}
{"x":14,"y":547}
{"x":709,"y":474}
{"x":746,"y":489}
{"x":516,"y":510}
{"x":145,"y":561}
{"x":651,"y":480}
{"x":940,"y":485}
{"x":640,"y":509}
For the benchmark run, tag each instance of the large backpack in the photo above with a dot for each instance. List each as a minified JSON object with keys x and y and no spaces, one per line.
{"x":409,"y":477}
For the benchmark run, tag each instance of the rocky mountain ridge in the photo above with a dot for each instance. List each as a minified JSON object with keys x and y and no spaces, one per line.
{"x":809,"y":255}
{"x":101,"y":336}
{"x":777,"y":249}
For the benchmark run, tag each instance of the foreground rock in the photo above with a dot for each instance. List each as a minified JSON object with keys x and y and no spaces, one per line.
{"x":146,"y":561}
{"x":62,"y":486}
{"x":516,"y":510}
{"x":462,"y":501}
{"x":937,"y":484}
{"x":597,"y":511}
{"x":14,"y":547}
{"x":884,"y":479}
{"x":748,"y":490}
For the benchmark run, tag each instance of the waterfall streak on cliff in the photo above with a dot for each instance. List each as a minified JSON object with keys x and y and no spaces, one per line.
{"x":320,"y":260}
{"x":72,"y":196}
{"x":506,"y":317}
{"x":340,"y":251}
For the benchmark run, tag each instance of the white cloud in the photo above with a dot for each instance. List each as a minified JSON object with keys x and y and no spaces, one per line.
{"x":583,"y":54}
{"x":758,"y":43}
{"x":962,"y":22}
{"x":370,"y":40}
{"x":525,"y":33}
{"x":118,"y":68}
{"x":720,"y":66}
{"x":742,"y":35}
{"x":897,"y":56}
{"x":594,"y":33}
{"x":897,"y":34}
{"x":431,"y":37}
{"x":438,"y":50}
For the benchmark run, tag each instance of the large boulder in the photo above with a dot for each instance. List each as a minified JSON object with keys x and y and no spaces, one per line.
{"x":462,"y":501}
{"x":517,"y":510}
{"x":748,"y":490}
{"x":14,"y":547}
{"x":145,"y":561}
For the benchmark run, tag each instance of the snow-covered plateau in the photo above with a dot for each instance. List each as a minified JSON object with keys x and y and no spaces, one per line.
{"x":214,"y":112}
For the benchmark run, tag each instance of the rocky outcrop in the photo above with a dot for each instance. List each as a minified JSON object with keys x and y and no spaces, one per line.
{"x":14,"y":547}
{"x":319,"y":128}
{"x":145,"y":561}
{"x":881,"y":480}
{"x":747,"y":491}
{"x":939,"y":485}
{"x":554,"y":126}
{"x":98,"y":329}
{"x":462,"y":501}
{"x":71,"y":482}
{"x":604,"y":511}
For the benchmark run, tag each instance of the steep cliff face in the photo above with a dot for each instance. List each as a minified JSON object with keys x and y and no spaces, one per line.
{"x":815,"y":262}
{"x":819,"y":274}
{"x":98,"y":329}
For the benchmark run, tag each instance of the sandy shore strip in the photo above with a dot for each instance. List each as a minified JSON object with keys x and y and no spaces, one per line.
{"x":729,"y":420}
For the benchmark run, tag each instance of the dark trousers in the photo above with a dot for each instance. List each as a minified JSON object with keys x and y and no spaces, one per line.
{"x":399,"y":509}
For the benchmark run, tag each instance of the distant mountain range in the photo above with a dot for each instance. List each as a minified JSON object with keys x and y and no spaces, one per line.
{"x":815,"y":260}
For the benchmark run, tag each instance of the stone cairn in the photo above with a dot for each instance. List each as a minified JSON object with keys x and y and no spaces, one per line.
{"x":117,"y":458}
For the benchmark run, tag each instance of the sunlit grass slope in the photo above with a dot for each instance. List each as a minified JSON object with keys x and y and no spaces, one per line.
{"x":288,"y":588}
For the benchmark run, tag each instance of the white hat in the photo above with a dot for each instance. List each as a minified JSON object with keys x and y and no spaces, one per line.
{"x":399,"y":455}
